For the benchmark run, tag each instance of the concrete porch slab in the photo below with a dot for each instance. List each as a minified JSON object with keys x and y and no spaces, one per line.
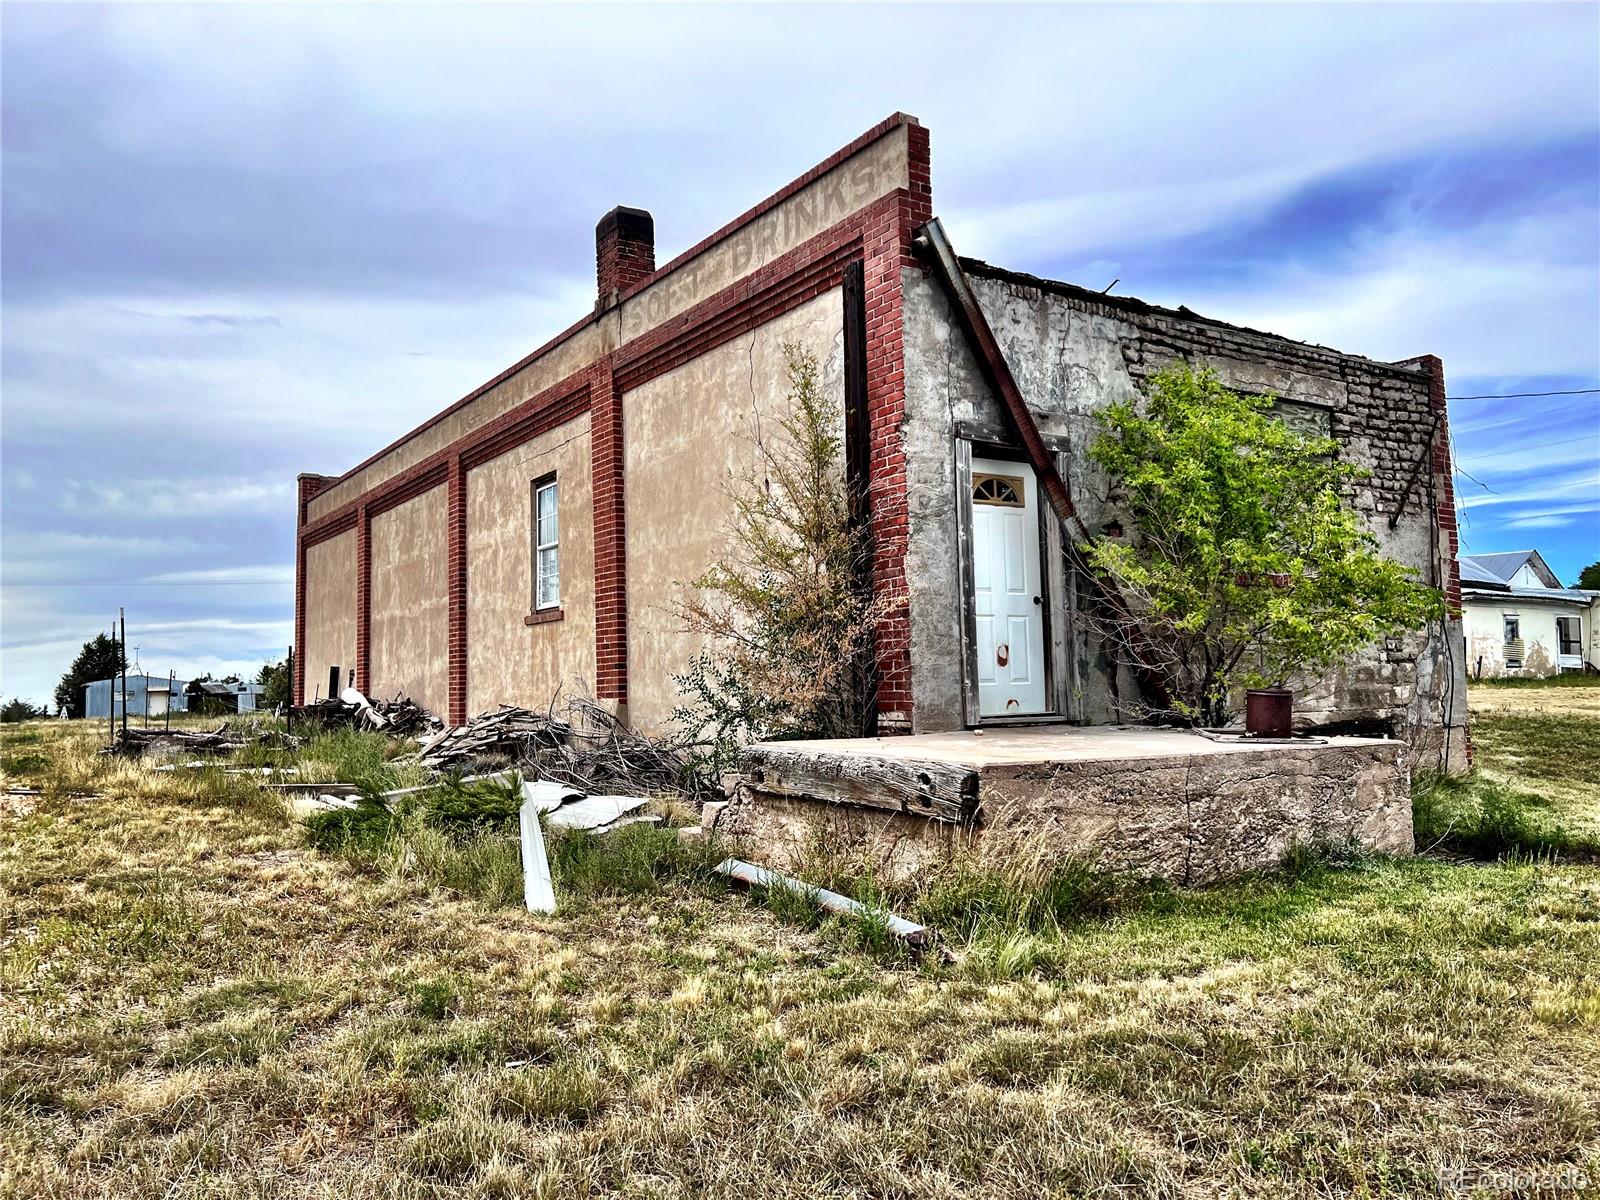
{"x":1016,"y":745}
{"x":1162,"y":802}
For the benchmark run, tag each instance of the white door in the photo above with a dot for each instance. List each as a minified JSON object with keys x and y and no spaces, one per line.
{"x":1007,"y":599}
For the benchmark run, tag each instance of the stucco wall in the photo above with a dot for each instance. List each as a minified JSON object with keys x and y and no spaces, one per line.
{"x":1485,"y":625}
{"x":410,"y":620}
{"x":1071,"y":355}
{"x":687,"y":435}
{"x":509,"y":661}
{"x":330,"y":639}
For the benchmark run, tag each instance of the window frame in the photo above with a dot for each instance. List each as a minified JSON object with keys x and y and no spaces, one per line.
{"x":545,"y":483}
{"x":1511,"y":627}
{"x":1577,"y":640}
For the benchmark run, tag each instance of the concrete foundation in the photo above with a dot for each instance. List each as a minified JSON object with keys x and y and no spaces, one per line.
{"x":1155,"y":802}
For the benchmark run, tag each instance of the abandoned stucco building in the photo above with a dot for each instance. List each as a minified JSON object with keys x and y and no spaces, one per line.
{"x":1519,"y":620}
{"x":535,"y":534}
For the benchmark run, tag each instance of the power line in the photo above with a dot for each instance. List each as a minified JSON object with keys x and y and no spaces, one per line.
{"x":1521,"y":395}
{"x":1519,"y":449}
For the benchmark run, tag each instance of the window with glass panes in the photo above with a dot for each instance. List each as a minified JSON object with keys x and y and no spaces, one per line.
{"x":546,"y":546}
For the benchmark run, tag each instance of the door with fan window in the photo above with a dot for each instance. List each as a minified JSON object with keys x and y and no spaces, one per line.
{"x":1007,"y":591}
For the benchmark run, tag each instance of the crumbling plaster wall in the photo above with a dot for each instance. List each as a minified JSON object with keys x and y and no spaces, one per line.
{"x":1485,"y":628}
{"x":330,"y":611}
{"x":1073,"y":353}
{"x":509,"y":661}
{"x":410,"y":612}
{"x":688,"y":437}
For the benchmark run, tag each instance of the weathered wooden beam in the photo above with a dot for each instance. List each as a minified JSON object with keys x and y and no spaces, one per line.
{"x":937,"y":790}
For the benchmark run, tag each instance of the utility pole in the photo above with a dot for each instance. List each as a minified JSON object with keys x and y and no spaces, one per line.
{"x":111,"y":690}
{"x":122,"y":620}
{"x":172,"y":679}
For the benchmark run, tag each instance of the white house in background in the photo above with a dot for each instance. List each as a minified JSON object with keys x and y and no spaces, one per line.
{"x":1521,"y":621}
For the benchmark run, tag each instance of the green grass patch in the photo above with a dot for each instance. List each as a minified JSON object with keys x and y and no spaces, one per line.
{"x":1475,"y":815}
{"x":1539,"y":749}
{"x":1567,"y":679}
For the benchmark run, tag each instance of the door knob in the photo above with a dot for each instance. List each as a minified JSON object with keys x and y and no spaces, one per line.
{"x":1037,"y":600}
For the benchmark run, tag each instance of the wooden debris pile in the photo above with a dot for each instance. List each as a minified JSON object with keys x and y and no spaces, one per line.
{"x":508,"y":733}
{"x":602,"y":754}
{"x":134,"y":742}
{"x":402,"y":716}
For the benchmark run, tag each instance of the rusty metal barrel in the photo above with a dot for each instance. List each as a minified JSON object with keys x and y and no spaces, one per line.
{"x":1269,"y":712}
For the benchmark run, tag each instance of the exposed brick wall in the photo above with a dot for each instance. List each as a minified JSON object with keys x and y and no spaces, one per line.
{"x":886,"y":247}
{"x":624,"y":252}
{"x":363,"y":664}
{"x":610,"y":534}
{"x":456,"y":589}
{"x":1443,"y":480}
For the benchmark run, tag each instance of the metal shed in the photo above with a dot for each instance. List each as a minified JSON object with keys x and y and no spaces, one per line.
{"x":148,"y":695}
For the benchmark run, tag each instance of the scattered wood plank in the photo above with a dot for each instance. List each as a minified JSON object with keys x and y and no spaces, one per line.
{"x":508,"y":732}
{"x":939,"y":791}
{"x":919,"y":936}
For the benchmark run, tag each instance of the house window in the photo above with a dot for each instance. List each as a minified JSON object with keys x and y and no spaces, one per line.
{"x":1569,"y":633}
{"x":1513,"y":638}
{"x":546,"y":546}
{"x":1005,"y":490}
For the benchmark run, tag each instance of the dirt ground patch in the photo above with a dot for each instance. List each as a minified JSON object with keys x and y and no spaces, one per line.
{"x":1554,"y":700}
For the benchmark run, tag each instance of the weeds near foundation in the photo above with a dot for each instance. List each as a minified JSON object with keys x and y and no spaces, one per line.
{"x":1470,"y":814}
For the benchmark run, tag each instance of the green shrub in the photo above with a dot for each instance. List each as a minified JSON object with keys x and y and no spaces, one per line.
{"x":360,"y":832}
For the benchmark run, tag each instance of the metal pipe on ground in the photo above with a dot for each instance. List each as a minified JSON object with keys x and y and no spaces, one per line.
{"x":917,"y":936}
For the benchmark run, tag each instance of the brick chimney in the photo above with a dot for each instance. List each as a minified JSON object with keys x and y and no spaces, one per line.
{"x":624,"y":252}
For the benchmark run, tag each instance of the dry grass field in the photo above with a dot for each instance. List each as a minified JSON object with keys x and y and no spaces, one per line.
{"x":195,"y":1003}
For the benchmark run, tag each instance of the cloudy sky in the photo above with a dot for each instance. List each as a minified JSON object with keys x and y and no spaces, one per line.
{"x":241,"y":242}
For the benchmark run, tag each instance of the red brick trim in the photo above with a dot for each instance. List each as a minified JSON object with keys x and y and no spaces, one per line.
{"x":545,"y":616}
{"x":887,"y":248}
{"x":610,"y":533}
{"x":880,"y":236}
{"x":308,"y":485}
{"x":1444,"y":480}
{"x":550,"y":408}
{"x":363,"y":663}
{"x":783,"y":284}
{"x":456,"y":591}
{"x":884,"y":127}
{"x":298,"y":683}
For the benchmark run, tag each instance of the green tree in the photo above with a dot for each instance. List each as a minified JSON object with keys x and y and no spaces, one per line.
{"x":100,"y":658}
{"x":275,"y":679}
{"x":1246,"y":566}
{"x":22,"y":710}
{"x":787,"y":619}
{"x":1589,"y":577}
